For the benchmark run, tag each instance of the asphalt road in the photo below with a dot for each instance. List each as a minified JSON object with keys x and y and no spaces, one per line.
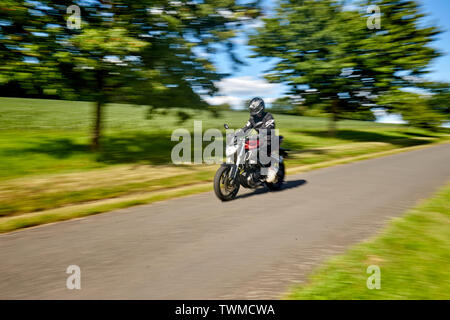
{"x":200,"y":248}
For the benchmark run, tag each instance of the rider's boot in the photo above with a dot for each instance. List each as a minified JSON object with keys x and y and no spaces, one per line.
{"x":273,"y":169}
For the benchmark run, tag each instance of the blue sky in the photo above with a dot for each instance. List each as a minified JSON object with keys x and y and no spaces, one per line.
{"x":248,"y":80}
{"x":439,"y":14}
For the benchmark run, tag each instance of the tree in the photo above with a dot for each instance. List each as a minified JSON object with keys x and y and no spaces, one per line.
{"x":397,"y":56}
{"x":413,"y":107}
{"x":282,"y":105}
{"x":428,"y":110}
{"x":95,"y":61}
{"x":399,"y":53}
{"x":328,"y":55}
{"x":144,"y":52}
{"x":314,"y":44}
{"x":439,"y":100}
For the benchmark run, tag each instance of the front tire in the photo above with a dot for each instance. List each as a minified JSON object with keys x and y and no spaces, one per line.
{"x":280,"y":179}
{"x":224,"y":188}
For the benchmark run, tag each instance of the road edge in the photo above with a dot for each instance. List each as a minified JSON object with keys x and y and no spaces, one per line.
{"x":40,"y":218}
{"x":381,"y":250}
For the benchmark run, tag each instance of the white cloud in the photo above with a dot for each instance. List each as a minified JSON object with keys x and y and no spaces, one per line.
{"x":240,"y":41}
{"x":233,"y":101}
{"x":155,"y":10}
{"x":236,"y":90}
{"x":246,"y":86}
{"x":253,"y":24}
{"x":384,"y":117}
{"x":269,"y":100}
{"x":225,"y":13}
{"x":391,"y":118}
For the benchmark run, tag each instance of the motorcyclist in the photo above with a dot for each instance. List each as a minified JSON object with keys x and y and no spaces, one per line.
{"x":260,"y":119}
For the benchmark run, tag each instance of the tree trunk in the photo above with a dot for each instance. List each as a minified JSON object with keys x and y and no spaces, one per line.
{"x":99,"y":102}
{"x":334,"y":118}
{"x":95,"y":145}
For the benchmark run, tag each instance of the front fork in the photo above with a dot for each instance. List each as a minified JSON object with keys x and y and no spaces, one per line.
{"x":232,"y":174}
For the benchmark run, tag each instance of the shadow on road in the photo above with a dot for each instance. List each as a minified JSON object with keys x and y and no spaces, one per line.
{"x":287,"y":185}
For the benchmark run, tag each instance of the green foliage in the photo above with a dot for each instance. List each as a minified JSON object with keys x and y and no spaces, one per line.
{"x":314,"y":42}
{"x":414,"y":108}
{"x":142,"y":48}
{"x":439,"y":101}
{"x":329,"y":57}
{"x":283,"y":105}
{"x":364,"y":115}
{"x":142,"y":52}
{"x":216,"y":110}
{"x":40,"y":137}
{"x":45,"y":160}
{"x":401,"y":50}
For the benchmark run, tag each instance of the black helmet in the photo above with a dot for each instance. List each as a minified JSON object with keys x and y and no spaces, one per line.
{"x":256,"y":106}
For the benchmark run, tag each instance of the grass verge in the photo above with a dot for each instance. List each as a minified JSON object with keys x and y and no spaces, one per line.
{"x":46,"y":164}
{"x":11,"y":223}
{"x":413,"y":255}
{"x":82,"y":210}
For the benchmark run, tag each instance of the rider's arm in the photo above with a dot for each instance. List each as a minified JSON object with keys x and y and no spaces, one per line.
{"x":248,"y":125}
{"x":269,"y":123}
{"x":265,"y":128}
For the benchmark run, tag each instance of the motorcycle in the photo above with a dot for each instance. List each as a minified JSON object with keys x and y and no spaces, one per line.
{"x":244,"y":172}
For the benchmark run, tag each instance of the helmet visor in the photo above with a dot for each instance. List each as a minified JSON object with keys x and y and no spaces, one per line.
{"x":255,"y":108}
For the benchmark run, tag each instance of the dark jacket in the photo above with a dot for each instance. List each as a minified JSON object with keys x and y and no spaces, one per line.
{"x":265,"y":121}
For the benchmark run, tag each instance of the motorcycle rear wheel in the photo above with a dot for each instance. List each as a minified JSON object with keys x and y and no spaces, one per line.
{"x":224,"y":188}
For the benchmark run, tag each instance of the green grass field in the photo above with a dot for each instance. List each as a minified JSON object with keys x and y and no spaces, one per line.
{"x":46,"y":163}
{"x":50,"y":136}
{"x":413,"y":255}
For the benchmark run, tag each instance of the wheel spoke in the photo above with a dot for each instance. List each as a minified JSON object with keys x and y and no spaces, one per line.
{"x":225,"y":184}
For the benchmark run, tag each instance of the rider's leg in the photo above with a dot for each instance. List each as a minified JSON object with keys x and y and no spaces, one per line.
{"x":274,"y":165}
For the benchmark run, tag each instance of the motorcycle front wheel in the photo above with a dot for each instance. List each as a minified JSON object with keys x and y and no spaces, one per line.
{"x":225,"y":188}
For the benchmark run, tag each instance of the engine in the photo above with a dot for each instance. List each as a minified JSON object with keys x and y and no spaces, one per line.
{"x":250,"y":176}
